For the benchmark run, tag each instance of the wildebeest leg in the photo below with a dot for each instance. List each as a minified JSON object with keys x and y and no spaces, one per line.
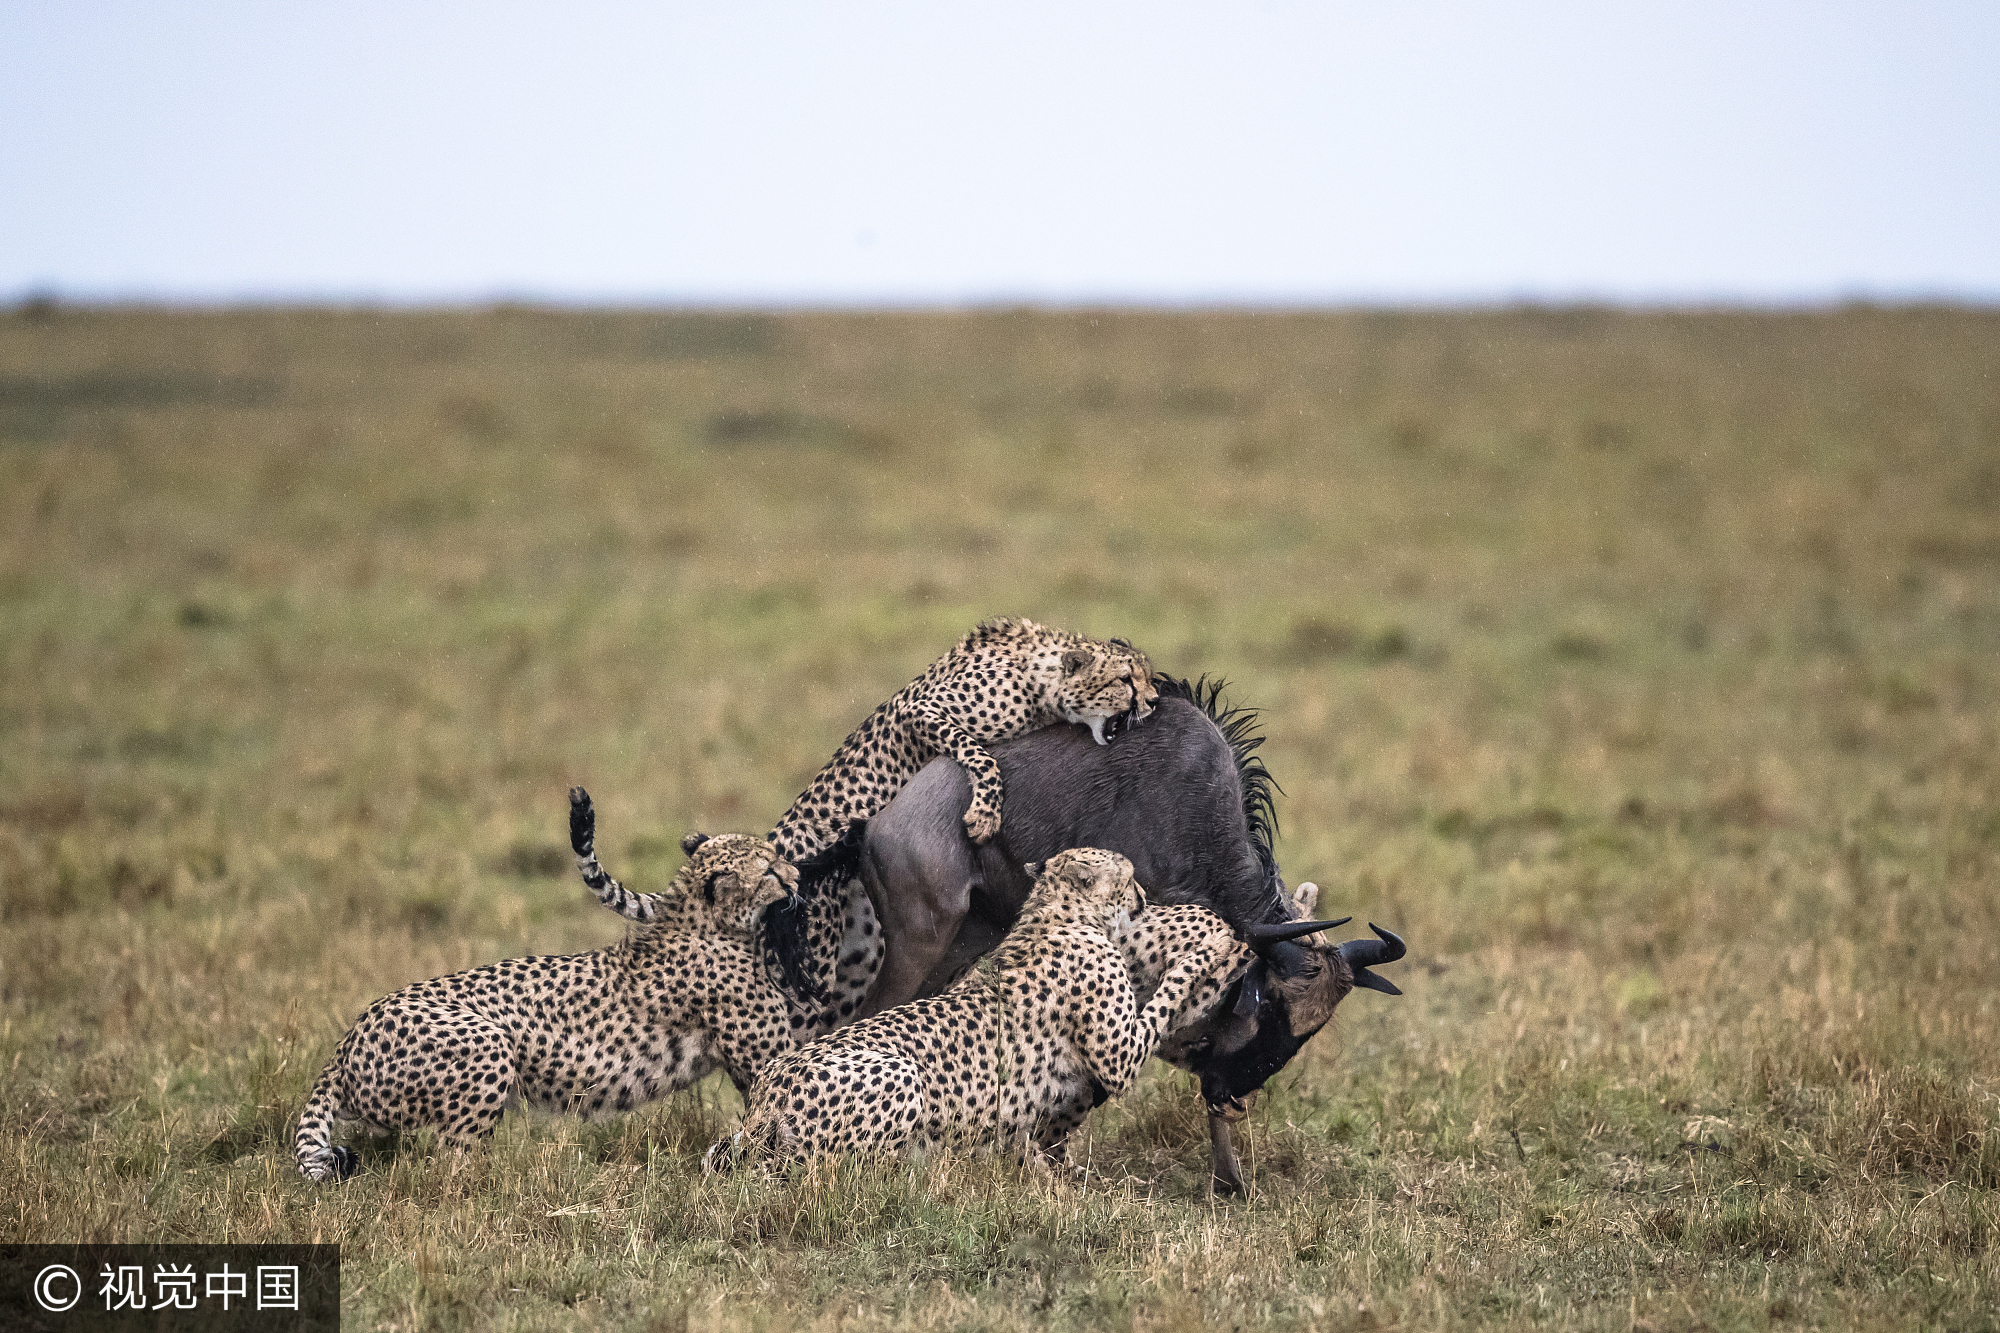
{"x":1226,"y":1174}
{"x":920,"y":874}
{"x":918,"y":928}
{"x":977,"y":936}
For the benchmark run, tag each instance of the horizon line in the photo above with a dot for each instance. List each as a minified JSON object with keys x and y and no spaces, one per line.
{"x":50,"y":299}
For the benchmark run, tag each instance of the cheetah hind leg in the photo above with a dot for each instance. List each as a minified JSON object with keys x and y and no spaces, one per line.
{"x":319,"y":1157}
{"x":484,"y":1078}
{"x":862,"y":1101}
{"x":480,"y":1076}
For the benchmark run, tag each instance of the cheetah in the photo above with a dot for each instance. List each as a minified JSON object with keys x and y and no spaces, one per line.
{"x":1005,"y":678}
{"x":841,"y":939}
{"x":1016,"y":1053}
{"x":605,"y":1030}
{"x":1151,"y":941}
{"x":822,"y":945}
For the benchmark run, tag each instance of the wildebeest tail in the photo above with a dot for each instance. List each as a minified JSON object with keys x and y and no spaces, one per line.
{"x":787,"y":925}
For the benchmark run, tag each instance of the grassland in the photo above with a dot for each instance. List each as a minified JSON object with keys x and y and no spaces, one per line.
{"x":1644,"y":670}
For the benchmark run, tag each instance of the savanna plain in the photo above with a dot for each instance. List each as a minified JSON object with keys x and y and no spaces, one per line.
{"x":1642,"y":669}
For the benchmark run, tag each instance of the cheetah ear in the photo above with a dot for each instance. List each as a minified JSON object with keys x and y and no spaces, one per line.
{"x":692,"y":841}
{"x":1075,"y":659}
{"x":1033,"y":869}
{"x":1126,"y":644}
{"x":1306,"y":897}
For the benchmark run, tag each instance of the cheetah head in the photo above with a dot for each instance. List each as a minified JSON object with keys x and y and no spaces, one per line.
{"x":1093,"y":886}
{"x":1106,"y":687}
{"x":729,"y":880}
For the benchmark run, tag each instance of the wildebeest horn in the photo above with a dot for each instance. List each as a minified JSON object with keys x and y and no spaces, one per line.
{"x":1264,"y":934}
{"x":1364,"y":954}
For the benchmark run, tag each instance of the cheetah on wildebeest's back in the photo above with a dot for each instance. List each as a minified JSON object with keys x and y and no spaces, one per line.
{"x":1004,"y":679}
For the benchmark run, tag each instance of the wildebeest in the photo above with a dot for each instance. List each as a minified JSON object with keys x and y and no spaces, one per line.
{"x":1185,"y":798}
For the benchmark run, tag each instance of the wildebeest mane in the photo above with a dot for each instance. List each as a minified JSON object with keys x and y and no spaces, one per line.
{"x":1239,"y":727}
{"x":785,"y":936}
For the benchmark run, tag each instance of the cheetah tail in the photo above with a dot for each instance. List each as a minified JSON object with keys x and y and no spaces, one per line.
{"x":641,"y":907}
{"x":319,"y":1158}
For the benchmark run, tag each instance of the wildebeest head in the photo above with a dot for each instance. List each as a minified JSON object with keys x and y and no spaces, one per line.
{"x":1285,"y":996}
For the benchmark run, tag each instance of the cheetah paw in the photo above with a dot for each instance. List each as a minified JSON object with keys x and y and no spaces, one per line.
{"x":720,"y":1159}
{"x":981,"y":825}
{"x":335,"y":1164}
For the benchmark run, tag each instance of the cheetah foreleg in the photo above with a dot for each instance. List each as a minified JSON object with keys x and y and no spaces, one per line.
{"x":1051,"y":1163}
{"x":1184,"y":978}
{"x":750,"y":1025}
{"x":1117,"y":1055}
{"x":944,"y":736}
{"x":1202,"y":998}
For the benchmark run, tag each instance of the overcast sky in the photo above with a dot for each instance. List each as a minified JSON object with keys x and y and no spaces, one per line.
{"x":750,"y":152}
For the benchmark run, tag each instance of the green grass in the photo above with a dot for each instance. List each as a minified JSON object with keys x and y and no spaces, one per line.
{"x":1644,"y":670}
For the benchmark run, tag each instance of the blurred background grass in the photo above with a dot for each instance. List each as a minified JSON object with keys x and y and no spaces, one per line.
{"x":1640,"y":667}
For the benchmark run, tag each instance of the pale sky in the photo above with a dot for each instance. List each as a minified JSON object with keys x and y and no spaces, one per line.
{"x":803,"y":154}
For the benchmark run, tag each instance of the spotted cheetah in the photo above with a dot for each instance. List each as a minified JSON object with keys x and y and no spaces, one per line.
{"x":1151,"y":941}
{"x":1016,"y":1053}
{"x":600,"y":1031}
{"x":841,"y":937}
{"x":1005,"y":678}
{"x":822,"y":946}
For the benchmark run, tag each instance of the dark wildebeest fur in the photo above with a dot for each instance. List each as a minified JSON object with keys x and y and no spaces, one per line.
{"x":1173,"y":799}
{"x":1185,"y":799}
